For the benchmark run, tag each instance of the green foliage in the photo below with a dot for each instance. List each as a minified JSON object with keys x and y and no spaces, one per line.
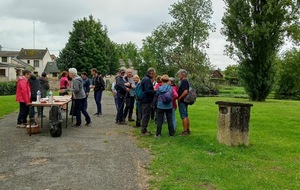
{"x":181,"y":43}
{"x":198,"y":161}
{"x":256,"y":31}
{"x":289,"y":77}
{"x":89,"y":47}
{"x":9,"y":103}
{"x":8,"y":88}
{"x":129,"y":54}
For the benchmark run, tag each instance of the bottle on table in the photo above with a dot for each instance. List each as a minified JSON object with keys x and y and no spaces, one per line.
{"x":50,"y":97}
{"x":38,"y":96}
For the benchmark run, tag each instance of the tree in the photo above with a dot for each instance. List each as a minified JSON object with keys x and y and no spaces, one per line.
{"x":232,"y":74}
{"x":89,"y":47}
{"x":289,"y":77}
{"x":129,"y":53}
{"x":256,"y":30}
{"x":181,"y":43}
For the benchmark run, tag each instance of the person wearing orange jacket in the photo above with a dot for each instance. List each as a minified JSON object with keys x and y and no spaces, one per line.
{"x":23,"y":97}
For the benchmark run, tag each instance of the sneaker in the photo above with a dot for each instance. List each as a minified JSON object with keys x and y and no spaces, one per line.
{"x":147,"y":133}
{"x":157,"y":136}
{"x":88,"y":124}
{"x":122,"y":123}
{"x":20,"y":126}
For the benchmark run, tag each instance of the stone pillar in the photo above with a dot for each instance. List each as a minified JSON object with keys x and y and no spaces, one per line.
{"x":233,"y":123}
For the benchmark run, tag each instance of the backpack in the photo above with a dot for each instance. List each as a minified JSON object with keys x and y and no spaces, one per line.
{"x":55,"y":121}
{"x":167,"y":97}
{"x":191,"y":96}
{"x":139,"y":94}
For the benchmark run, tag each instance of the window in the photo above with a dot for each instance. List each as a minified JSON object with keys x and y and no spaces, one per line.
{"x":54,"y":74}
{"x":2,"y":72}
{"x":36,"y":63}
{"x":4,"y":59}
{"x":28,"y":61}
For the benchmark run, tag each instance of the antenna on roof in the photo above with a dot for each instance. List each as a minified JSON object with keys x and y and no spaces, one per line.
{"x":33,"y":35}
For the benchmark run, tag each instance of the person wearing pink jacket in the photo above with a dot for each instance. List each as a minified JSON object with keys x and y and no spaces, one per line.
{"x":175,"y":96}
{"x":23,"y":97}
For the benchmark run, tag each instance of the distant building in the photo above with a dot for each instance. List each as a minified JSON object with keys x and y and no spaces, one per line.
{"x":51,"y":69}
{"x":13,"y":62}
{"x":37,"y":58}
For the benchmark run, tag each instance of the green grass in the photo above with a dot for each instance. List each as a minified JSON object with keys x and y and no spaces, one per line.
{"x":198,"y":161}
{"x":8,"y":104}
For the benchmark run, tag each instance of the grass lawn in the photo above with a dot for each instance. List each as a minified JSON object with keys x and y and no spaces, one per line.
{"x":198,"y":161}
{"x":8,"y":104}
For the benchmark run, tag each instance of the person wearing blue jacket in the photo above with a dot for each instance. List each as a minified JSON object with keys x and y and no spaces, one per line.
{"x":164,"y":106}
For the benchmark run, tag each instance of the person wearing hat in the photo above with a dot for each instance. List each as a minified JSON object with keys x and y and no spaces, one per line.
{"x":122,"y":90}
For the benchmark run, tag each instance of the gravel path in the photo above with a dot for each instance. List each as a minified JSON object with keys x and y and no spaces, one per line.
{"x":101,"y":156}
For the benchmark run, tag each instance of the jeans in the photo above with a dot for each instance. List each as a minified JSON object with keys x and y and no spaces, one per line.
{"x":183,"y":110}
{"x":174,"y":118}
{"x":129,"y":107}
{"x":146,"y":112}
{"x":85,"y":103}
{"x":79,"y":108}
{"x":98,"y":97}
{"x":23,"y":113}
{"x":138,"y":113}
{"x":121,"y":102}
{"x":160,"y":120}
{"x":116,"y":101}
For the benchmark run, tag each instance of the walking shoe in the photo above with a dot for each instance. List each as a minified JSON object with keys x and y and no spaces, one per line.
{"x":88,"y":124}
{"x":184,"y":133}
{"x":147,"y":133}
{"x":75,"y":125}
{"x":130,"y":119}
{"x":100,"y":114}
{"x":157,"y":136}
{"x":20,"y":126}
{"x":96,"y":114}
{"x":122,"y":123}
{"x":136,"y":126}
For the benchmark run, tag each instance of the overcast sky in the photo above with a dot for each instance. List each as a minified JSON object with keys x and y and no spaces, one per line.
{"x":46,"y":23}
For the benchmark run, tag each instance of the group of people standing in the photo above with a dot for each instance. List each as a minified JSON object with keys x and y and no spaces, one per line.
{"x":125,"y":89}
{"x":154,"y":94}
{"x":28,"y":86}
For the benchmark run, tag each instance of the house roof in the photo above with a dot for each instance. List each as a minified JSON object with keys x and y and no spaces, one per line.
{"x":51,"y":67}
{"x":9,"y":53}
{"x":11,"y":65}
{"x":32,"y":53}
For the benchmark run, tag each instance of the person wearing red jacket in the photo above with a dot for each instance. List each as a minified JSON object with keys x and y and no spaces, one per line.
{"x":23,"y":97}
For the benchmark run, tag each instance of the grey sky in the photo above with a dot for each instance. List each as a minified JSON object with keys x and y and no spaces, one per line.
{"x":126,"y":20}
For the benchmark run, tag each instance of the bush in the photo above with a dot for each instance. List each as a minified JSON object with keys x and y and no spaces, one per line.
{"x":8,"y":88}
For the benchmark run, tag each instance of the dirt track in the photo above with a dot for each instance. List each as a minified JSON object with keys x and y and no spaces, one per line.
{"x":101,"y":156}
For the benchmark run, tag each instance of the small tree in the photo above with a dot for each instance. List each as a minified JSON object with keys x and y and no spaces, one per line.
{"x":89,"y":47}
{"x":256,"y":30}
{"x":289,"y":77}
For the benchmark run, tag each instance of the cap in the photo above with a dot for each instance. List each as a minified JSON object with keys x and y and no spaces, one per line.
{"x":122,"y":71}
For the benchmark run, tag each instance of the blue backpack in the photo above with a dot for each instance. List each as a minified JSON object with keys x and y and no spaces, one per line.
{"x":167,"y":97}
{"x":139,"y":94}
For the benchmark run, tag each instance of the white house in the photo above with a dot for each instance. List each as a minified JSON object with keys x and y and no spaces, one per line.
{"x":13,"y":62}
{"x":37,"y":58}
{"x":10,"y":67}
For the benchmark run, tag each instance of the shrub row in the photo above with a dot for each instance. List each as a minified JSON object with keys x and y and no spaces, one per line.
{"x":8,"y":88}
